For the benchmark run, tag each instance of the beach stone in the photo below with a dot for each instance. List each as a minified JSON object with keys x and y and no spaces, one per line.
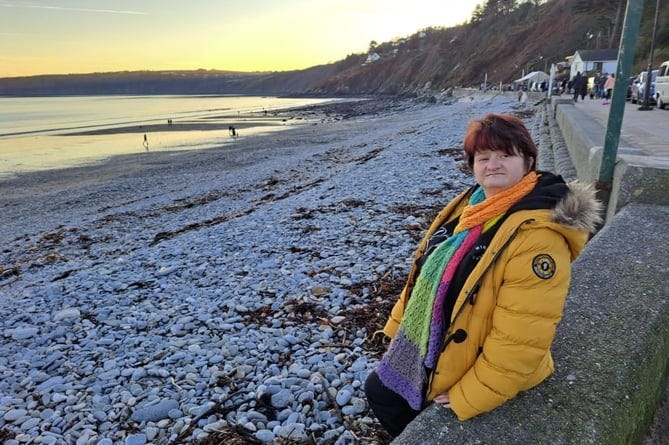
{"x":282,"y":398}
{"x":14,"y":414}
{"x":295,"y":432}
{"x":24,"y":333}
{"x":155,"y":413}
{"x":265,"y":436}
{"x":136,"y":439}
{"x":357,"y":406}
{"x":48,"y":440}
{"x":66,"y":314}
{"x":338,"y":319}
{"x":343,"y":396}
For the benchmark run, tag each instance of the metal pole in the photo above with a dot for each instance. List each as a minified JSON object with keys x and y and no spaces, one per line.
{"x":624,"y":67}
{"x":649,"y":79}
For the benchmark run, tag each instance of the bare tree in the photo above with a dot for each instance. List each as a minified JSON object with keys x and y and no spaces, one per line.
{"x":617,"y":24}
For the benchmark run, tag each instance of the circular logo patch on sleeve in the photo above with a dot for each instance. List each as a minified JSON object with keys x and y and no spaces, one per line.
{"x":543,"y":266}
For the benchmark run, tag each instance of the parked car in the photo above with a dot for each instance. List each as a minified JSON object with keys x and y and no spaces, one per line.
{"x":639,"y":87}
{"x":662,"y":85}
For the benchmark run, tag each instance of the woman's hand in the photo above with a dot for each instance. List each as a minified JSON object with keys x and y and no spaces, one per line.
{"x":443,"y":400}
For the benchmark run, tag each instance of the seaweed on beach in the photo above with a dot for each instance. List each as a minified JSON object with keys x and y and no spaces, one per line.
{"x":369,"y":155}
{"x":271,"y":197}
{"x":190,"y":203}
{"x":425,"y":214}
{"x":6,"y":435}
{"x":374,"y":312}
{"x":455,"y":153}
{"x":524,"y":113}
{"x":8,"y":272}
{"x":162,"y":236}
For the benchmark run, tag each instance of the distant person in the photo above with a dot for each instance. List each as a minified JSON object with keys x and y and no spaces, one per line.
{"x":474,"y":324}
{"x":146,"y":142}
{"x":577,"y":85}
{"x":523,"y":97}
{"x":232,"y":131}
{"x":608,"y":87}
{"x":599,"y":85}
{"x":584,"y":88}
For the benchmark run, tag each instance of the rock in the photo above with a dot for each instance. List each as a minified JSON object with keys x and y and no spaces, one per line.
{"x":156,"y":412}
{"x":66,"y":314}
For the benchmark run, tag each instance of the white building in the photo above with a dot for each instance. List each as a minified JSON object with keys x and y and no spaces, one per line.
{"x":594,"y":60}
{"x":371,"y":58}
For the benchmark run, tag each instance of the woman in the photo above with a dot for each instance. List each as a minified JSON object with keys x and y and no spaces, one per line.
{"x":476,"y":319}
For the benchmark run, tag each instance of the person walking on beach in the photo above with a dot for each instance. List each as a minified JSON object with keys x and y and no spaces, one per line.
{"x":146,"y":143}
{"x":474,"y":323}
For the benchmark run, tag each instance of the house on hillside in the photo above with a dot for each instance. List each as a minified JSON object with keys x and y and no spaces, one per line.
{"x":594,"y":60}
{"x":371,"y":58}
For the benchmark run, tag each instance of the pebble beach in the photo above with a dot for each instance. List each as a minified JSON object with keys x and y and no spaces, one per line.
{"x":227,"y":295}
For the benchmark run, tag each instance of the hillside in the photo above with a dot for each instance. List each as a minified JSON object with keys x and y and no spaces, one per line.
{"x":503,"y":39}
{"x":502,"y":42}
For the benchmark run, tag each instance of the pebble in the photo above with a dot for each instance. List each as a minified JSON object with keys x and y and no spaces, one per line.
{"x":14,"y":414}
{"x":156,"y":412}
{"x":136,"y":439}
{"x":247,"y":306}
{"x":65,"y":314}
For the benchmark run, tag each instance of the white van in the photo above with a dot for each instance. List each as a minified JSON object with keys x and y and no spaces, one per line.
{"x":662,"y":85}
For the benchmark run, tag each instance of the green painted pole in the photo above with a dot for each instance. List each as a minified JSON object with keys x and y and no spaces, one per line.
{"x":649,"y":75}
{"x":625,"y":59}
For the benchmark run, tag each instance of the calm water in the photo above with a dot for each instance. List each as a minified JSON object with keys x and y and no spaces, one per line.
{"x":33,"y":130}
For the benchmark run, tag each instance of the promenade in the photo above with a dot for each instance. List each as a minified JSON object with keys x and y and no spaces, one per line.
{"x":645,"y":130}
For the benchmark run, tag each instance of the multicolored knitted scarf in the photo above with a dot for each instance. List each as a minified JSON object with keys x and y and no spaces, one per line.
{"x":418,"y":341}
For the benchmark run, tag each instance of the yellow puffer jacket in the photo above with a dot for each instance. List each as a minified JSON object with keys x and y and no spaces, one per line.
{"x":505,"y":316}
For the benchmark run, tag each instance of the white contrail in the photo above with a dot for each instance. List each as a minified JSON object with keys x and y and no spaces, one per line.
{"x":63,"y":8}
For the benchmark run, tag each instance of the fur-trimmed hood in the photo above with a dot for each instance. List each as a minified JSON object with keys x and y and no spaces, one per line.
{"x":579,"y":209}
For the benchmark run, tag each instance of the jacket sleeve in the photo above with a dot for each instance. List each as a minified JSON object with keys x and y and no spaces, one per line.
{"x":393,"y":323}
{"x":529,"y":304}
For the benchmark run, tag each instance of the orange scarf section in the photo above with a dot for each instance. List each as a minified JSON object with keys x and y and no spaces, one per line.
{"x":474,"y":215}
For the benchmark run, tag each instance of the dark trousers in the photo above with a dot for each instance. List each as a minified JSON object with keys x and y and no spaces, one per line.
{"x":393,"y":412}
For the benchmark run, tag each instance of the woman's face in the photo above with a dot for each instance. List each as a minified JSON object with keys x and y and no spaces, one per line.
{"x":497,"y":171}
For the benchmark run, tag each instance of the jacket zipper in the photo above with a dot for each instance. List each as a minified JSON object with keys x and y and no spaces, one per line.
{"x":471,"y":295}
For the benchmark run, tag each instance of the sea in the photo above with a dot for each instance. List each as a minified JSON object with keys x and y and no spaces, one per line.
{"x":42,"y":133}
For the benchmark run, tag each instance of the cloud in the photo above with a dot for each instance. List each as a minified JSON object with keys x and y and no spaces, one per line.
{"x":63,"y":8}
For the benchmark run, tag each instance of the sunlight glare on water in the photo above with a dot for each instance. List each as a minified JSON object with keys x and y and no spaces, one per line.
{"x":33,"y":130}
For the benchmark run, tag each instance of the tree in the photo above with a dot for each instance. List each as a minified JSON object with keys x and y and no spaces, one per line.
{"x":479,"y":14}
{"x":617,"y":23}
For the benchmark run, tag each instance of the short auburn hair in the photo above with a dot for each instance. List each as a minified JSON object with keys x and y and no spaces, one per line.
{"x":500,"y":132}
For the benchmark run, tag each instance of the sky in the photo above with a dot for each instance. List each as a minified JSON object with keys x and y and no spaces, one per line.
{"x":85,"y":36}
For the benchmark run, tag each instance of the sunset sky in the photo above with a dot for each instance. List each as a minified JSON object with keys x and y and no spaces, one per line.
{"x":83,"y":36}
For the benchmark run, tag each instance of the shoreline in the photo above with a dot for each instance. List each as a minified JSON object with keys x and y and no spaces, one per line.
{"x":29,"y":147}
{"x":316,"y":119}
